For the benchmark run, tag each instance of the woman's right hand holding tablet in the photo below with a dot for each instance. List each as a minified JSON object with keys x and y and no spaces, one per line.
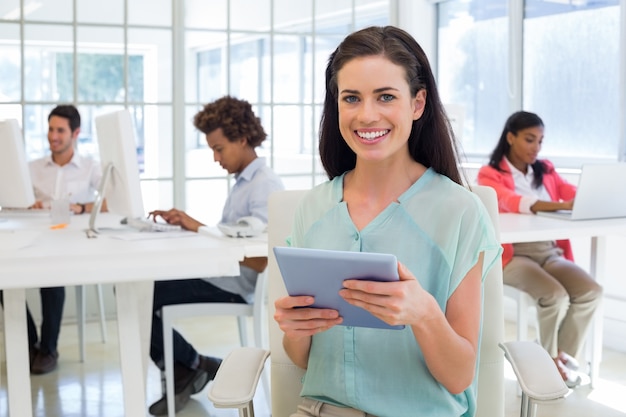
{"x":299,"y":323}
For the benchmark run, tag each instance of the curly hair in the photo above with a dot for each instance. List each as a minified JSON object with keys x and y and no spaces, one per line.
{"x":234,"y":116}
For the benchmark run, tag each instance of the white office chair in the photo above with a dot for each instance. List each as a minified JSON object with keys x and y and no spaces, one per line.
{"x":523,"y":302}
{"x":236,"y":380}
{"x":171,"y":313}
{"x":80,"y":316}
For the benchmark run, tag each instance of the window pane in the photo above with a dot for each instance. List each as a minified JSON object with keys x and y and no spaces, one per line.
{"x":101,"y":65}
{"x":35,"y":130}
{"x":88,"y":138}
{"x":110,"y":11}
{"x":205,"y":66}
{"x":157,"y":195}
{"x":473,"y":67}
{"x":155,"y":140}
{"x":264,"y":112}
{"x":205,"y":200}
{"x":46,"y":77}
{"x":10,"y":10}
{"x":150,"y":75}
{"x":292,"y":139}
{"x":293,"y":19}
{"x":571,"y":68}
{"x":290,"y":69}
{"x":204,"y":15}
{"x":255,"y":18}
{"x":249,"y":68}
{"x":11,"y":111}
{"x":371,"y":13}
{"x":199,"y":161}
{"x":49,"y":10}
{"x":150,"y":12}
{"x":324,"y":46}
{"x":10,"y":63}
{"x":333,"y":16}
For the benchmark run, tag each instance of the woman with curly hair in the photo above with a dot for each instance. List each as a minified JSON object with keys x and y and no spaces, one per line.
{"x":233,"y":132}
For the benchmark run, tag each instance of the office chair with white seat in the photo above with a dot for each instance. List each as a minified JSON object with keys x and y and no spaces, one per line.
{"x":236,"y":380}
{"x":173,"y":312}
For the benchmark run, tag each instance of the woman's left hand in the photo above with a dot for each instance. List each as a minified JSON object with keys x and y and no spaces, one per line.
{"x":395,"y":303}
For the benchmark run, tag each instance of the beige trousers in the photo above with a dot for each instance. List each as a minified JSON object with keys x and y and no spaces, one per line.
{"x":566,"y":295}
{"x":314,"y":408}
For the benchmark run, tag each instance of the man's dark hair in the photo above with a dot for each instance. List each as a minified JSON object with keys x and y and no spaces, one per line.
{"x":69,"y":112}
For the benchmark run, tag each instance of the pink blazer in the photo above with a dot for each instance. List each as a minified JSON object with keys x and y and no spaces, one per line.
{"x":508,"y":200}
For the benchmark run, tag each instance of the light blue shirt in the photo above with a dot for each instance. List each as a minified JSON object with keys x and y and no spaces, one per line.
{"x":248,"y":197}
{"x":437,"y":229}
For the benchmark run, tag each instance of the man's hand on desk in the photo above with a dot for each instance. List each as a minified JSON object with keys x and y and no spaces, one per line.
{"x":38,"y":205}
{"x":258,"y":263}
{"x":177,"y":217}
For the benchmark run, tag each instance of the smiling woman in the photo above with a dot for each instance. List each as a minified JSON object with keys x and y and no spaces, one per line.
{"x":394,"y":187}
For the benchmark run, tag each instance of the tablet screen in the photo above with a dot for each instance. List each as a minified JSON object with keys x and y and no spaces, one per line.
{"x":320,"y":273}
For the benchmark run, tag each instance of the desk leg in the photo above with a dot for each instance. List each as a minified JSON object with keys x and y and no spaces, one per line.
{"x":16,"y":342}
{"x":134,"y":335}
{"x":594,"y":340}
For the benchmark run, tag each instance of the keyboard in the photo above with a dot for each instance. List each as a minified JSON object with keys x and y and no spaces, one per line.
{"x":148,"y":225}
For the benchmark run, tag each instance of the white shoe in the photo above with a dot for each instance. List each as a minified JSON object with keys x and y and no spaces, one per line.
{"x":573,"y":380}
{"x":569,"y":361}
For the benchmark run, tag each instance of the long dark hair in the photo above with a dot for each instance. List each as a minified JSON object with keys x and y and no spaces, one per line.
{"x":431,"y":141}
{"x":517,"y":121}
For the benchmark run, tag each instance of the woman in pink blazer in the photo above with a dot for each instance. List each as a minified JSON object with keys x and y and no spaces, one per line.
{"x":566,"y":295}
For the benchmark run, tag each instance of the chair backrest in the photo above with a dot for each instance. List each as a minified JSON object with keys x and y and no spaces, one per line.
{"x":491,"y":363}
{"x":286,"y":377}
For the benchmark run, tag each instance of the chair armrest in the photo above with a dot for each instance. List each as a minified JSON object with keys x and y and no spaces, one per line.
{"x":237,"y":377}
{"x":535,"y":370}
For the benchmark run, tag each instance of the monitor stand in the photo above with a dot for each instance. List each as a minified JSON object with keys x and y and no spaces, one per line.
{"x":92,"y":231}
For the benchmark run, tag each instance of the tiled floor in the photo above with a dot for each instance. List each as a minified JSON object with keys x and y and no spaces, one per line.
{"x":93,"y":388}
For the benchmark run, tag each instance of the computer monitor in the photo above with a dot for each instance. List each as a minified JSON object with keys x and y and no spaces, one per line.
{"x":16,"y":188}
{"x":120,"y":172}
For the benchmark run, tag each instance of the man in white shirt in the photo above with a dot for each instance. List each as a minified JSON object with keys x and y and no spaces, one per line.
{"x":63,"y":173}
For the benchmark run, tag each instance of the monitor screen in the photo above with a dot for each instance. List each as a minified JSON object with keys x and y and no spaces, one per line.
{"x":16,"y":188}
{"x":120,"y":185}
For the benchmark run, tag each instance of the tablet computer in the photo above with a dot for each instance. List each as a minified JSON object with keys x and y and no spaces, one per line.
{"x":320,"y":273}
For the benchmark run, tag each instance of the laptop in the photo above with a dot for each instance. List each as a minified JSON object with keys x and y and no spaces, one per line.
{"x":601,"y":194}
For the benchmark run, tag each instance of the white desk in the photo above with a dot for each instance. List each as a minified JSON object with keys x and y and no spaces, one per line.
{"x":517,"y":228}
{"x":66,"y":257}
